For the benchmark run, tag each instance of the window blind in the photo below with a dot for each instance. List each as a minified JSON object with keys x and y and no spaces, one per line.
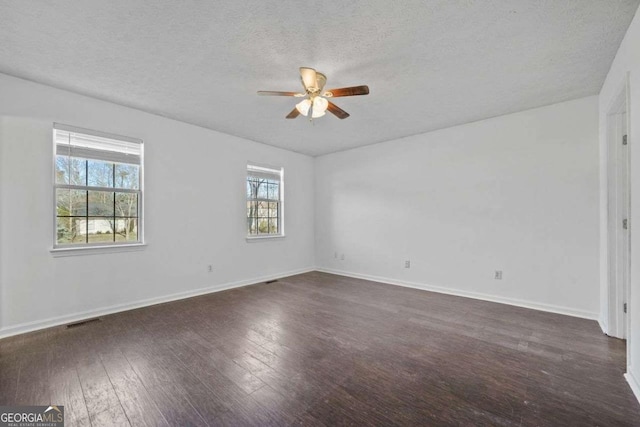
{"x":87,"y":144}
{"x":261,"y":172}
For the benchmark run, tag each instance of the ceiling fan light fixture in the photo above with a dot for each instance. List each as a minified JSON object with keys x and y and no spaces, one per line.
{"x":319,"y":106}
{"x":303,"y":107}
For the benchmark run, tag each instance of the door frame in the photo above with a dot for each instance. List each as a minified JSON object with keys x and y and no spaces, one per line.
{"x":618,"y":240}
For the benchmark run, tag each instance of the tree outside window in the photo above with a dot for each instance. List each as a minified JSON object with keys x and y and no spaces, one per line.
{"x":264,"y":201}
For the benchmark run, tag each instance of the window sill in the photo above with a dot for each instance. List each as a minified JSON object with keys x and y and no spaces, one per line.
{"x":94,"y":250}
{"x":263,"y":238}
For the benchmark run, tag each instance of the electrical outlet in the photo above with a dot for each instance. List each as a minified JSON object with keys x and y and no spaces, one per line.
{"x":407,"y":264}
{"x":210,"y":268}
{"x":342,"y":257}
{"x":498,"y":275}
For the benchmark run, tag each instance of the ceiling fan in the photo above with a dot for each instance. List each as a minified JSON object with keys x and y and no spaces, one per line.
{"x":315,"y":102}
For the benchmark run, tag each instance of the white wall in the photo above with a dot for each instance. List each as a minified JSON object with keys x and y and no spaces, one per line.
{"x":194,"y":212}
{"x":626,"y":63}
{"x":517,"y":193}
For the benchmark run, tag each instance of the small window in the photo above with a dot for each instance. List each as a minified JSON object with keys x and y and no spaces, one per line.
{"x":264,"y":201}
{"x":97,"y":188}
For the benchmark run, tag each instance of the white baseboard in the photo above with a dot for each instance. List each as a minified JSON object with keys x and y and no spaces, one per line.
{"x":603,"y":326}
{"x":634,"y":384}
{"x":75,"y":317}
{"x":484,"y":297}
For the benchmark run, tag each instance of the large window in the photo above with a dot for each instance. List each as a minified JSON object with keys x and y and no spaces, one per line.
{"x":264,"y":201}
{"x":98,"y":188}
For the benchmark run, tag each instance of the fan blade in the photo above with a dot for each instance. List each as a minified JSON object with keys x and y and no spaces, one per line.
{"x":309,"y":78}
{"x":293,"y":114}
{"x":347,"y":91}
{"x":277,"y":93}
{"x":337,"y":111}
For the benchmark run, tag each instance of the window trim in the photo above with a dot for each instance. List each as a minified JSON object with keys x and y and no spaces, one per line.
{"x":264,"y":237}
{"x":94,"y":250}
{"x":100,"y":247}
{"x":281,"y":231}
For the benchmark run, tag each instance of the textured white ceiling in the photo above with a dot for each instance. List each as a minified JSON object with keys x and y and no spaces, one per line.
{"x":429,"y":64}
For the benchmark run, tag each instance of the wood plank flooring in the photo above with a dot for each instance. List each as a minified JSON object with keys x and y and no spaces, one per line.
{"x":325,"y":350}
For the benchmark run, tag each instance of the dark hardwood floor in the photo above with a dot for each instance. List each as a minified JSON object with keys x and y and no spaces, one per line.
{"x":319,"y":349}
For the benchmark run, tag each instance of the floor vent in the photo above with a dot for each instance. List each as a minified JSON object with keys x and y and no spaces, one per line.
{"x":82,"y":323}
{"x":271,"y":281}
